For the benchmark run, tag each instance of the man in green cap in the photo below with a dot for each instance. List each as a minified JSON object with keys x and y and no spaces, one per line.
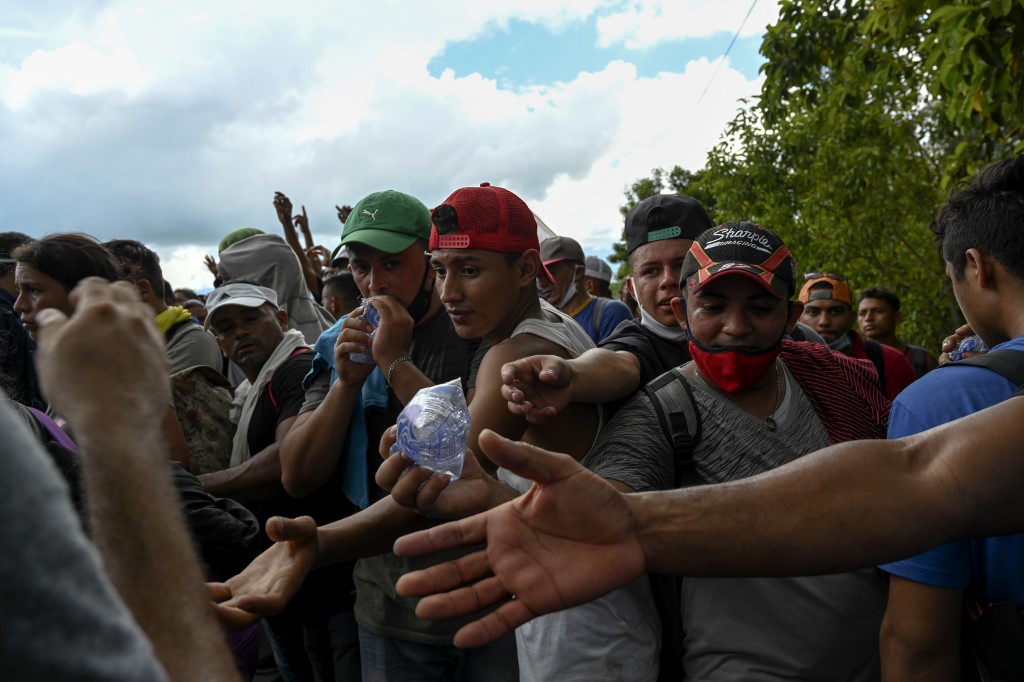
{"x":349,"y":404}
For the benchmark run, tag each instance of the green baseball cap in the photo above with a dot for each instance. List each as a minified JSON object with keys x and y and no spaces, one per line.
{"x":388,"y":221}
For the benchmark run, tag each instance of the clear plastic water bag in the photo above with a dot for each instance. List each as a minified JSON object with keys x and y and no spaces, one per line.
{"x":370,"y":315}
{"x":433,"y":428}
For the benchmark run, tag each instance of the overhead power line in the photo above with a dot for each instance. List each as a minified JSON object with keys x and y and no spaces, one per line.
{"x":727,"y":50}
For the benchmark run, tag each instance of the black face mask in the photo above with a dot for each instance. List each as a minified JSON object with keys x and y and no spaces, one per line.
{"x":421,"y":304}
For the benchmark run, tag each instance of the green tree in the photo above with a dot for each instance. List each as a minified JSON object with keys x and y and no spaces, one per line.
{"x":868,"y":113}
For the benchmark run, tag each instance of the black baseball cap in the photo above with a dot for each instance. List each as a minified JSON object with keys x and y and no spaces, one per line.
{"x":664,"y":216}
{"x":740,"y":248}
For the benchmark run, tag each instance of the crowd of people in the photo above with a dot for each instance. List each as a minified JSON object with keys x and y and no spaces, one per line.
{"x":689,"y":527}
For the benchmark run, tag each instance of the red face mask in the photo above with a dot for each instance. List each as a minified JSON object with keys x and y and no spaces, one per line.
{"x":733,"y":369}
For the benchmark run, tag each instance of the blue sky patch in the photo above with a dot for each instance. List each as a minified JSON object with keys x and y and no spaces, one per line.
{"x":526,"y":54}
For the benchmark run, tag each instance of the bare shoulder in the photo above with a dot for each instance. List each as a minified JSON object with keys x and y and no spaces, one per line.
{"x":523,"y":346}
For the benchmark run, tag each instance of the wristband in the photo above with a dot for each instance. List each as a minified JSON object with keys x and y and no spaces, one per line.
{"x":391,"y":370}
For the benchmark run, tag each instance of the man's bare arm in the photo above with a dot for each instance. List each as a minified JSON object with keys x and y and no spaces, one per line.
{"x":920,"y":637}
{"x":258,"y":478}
{"x":541,"y":386}
{"x":109,"y":353}
{"x":848,"y":506}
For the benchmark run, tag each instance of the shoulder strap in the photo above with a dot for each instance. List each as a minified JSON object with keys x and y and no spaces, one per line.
{"x":1007,"y":362}
{"x":599,"y":303}
{"x":301,"y":350}
{"x":679,"y":418}
{"x":53,"y":429}
{"x":877,"y":356}
{"x":918,"y":359}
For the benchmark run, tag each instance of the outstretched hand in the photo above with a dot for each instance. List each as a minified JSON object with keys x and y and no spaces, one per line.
{"x":283,"y":206}
{"x":567,"y":541}
{"x":211,"y":264}
{"x":273,"y":578}
{"x":537,"y":387}
{"x":319,"y":256}
{"x":343,"y":212}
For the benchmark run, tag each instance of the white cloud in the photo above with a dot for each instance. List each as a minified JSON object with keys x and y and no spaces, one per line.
{"x":662,"y":125}
{"x":77,"y":68}
{"x":175,"y":123}
{"x":644,"y":24}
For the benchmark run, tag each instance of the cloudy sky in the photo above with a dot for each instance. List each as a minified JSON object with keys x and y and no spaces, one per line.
{"x":174,"y":123}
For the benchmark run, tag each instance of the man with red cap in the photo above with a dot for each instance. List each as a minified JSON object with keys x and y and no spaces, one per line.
{"x":485,"y":260}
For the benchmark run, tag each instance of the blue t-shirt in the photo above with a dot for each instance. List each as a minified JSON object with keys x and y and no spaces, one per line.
{"x":987,"y":568}
{"x":612,"y":312}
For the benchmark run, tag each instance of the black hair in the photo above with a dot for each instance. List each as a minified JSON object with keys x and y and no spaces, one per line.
{"x":882,"y":294}
{"x":344,"y":282}
{"x":8,"y":242}
{"x":603,"y":288}
{"x":69,"y":257}
{"x":445,"y":219}
{"x":986,"y":213}
{"x":138,"y":262}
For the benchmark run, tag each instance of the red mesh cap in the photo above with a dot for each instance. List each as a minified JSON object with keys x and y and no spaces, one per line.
{"x":485,"y":217}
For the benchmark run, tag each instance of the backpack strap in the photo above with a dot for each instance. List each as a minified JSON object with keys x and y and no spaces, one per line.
{"x":877,"y":356}
{"x":918,"y":359}
{"x":1007,"y":362}
{"x":53,"y":430}
{"x":599,"y":302}
{"x":301,"y":350}
{"x":680,"y":421}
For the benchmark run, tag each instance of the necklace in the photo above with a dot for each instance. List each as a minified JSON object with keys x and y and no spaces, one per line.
{"x":769,"y":421}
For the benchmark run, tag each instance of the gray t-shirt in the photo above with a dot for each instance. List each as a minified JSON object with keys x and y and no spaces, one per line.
{"x":819,"y":628}
{"x":62,"y":618}
{"x":192,"y":346}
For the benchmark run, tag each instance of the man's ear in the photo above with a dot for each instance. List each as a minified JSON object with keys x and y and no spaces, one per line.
{"x":145,"y":288}
{"x":282,"y":318}
{"x":981,"y":268}
{"x":796,"y":309}
{"x":679,"y":310}
{"x":631,"y":288}
{"x":591,"y":287}
{"x":528,"y":268}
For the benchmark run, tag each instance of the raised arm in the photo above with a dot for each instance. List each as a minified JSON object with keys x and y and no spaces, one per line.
{"x":109,"y":353}
{"x":283,"y":206}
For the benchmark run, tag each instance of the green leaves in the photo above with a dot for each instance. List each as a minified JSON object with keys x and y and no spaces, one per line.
{"x":869,"y":113}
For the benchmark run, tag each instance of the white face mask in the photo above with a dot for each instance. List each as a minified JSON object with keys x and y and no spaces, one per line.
{"x":674,"y":334}
{"x":569,"y":293}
